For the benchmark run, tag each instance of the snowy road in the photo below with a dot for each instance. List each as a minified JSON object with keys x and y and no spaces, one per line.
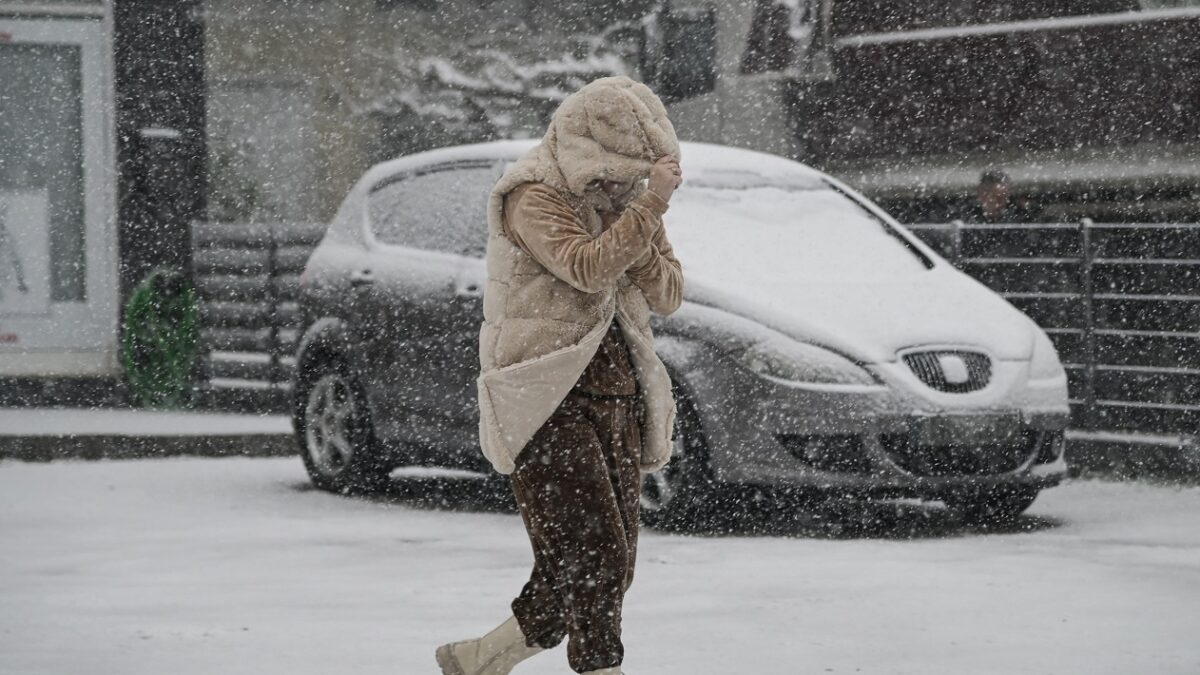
{"x":232,"y":566}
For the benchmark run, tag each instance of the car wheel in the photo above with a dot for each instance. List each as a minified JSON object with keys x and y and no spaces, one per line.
{"x":991,"y":506}
{"x":683,"y":493}
{"x":337,"y":442}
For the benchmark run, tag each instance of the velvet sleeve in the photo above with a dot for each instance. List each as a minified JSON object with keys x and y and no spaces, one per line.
{"x":658,"y":273}
{"x":541,"y":222}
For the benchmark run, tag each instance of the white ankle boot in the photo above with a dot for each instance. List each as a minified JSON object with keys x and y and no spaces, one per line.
{"x":493,"y":654}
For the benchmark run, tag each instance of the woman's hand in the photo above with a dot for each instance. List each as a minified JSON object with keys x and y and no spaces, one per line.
{"x":665,"y":176}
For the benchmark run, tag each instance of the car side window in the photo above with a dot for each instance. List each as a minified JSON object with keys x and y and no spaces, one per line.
{"x":442,"y":208}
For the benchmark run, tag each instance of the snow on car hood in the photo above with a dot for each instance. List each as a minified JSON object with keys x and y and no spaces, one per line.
{"x":807,"y":261}
{"x":871,"y":322}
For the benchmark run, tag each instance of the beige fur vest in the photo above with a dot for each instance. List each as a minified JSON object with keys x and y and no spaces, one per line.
{"x":540,"y":332}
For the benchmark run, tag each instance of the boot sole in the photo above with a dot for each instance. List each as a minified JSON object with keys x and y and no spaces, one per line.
{"x":447,"y":661}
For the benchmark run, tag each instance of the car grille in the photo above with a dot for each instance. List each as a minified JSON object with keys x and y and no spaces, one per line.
{"x":841,"y":453}
{"x":927,"y":366}
{"x":961,"y":459}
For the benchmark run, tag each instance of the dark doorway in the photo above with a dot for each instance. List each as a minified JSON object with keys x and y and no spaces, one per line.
{"x":160,"y":120}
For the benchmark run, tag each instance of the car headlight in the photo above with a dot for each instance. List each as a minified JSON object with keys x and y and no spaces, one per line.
{"x":799,"y":363}
{"x":1044,"y":363}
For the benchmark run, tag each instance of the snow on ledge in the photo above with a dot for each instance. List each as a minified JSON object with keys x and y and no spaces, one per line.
{"x":1128,"y":437}
{"x":127,"y":422}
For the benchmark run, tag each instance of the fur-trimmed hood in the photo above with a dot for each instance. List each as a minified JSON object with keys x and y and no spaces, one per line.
{"x":613,"y":128}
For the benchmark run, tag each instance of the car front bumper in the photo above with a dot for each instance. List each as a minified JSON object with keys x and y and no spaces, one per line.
{"x":876,"y":440}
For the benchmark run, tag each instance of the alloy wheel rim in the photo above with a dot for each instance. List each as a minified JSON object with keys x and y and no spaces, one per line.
{"x":327,"y":416}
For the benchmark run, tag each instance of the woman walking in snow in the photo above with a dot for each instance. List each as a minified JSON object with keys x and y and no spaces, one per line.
{"x":574,"y":402}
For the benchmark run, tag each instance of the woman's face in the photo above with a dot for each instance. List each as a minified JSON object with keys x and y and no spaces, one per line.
{"x":610,"y":187}
{"x":613,"y":187}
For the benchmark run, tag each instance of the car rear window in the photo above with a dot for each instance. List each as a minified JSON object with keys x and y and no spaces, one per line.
{"x":438,"y":209}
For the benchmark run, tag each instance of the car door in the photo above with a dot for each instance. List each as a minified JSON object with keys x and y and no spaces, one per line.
{"x":413,"y":305}
{"x":466,"y":218}
{"x":401,"y":286}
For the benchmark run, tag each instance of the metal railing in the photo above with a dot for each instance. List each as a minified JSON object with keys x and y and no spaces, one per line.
{"x":1120,"y":301}
{"x":247,"y":276}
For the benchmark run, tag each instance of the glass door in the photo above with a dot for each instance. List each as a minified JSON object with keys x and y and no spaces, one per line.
{"x":58,"y":284}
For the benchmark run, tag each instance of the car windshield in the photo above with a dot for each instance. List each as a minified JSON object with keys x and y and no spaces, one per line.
{"x":745,"y":229}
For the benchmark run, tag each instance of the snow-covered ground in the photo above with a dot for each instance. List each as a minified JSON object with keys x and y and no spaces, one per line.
{"x":234,"y":566}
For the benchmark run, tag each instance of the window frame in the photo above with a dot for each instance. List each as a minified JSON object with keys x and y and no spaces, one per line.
{"x":376,"y":243}
{"x":77,"y":336}
{"x":976,"y":25}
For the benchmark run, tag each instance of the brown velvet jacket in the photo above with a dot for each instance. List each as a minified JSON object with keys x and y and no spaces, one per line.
{"x":543,"y":225}
{"x":540,"y":221}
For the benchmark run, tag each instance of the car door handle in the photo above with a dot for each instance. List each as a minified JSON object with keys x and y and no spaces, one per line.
{"x":362,"y":278}
{"x":469,"y":290}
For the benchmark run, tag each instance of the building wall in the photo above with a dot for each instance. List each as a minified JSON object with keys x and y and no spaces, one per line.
{"x":746,"y":111}
{"x":306,"y":94}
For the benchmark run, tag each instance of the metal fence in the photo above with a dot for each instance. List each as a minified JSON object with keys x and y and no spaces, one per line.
{"x":1120,"y":301}
{"x":247,"y":276}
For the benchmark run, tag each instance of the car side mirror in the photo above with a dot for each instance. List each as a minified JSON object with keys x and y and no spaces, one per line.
{"x":678,"y":52}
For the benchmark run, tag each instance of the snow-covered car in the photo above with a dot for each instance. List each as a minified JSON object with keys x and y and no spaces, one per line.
{"x":820,"y":345}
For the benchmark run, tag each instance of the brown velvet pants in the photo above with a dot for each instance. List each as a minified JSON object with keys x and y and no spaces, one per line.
{"x":577,"y":485}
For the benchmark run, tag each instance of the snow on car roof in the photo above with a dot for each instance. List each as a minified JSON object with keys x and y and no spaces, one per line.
{"x":696,"y":156}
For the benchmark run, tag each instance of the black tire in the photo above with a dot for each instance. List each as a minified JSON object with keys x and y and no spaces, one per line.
{"x":683,"y":495}
{"x":991,"y":506}
{"x":341,"y":454}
